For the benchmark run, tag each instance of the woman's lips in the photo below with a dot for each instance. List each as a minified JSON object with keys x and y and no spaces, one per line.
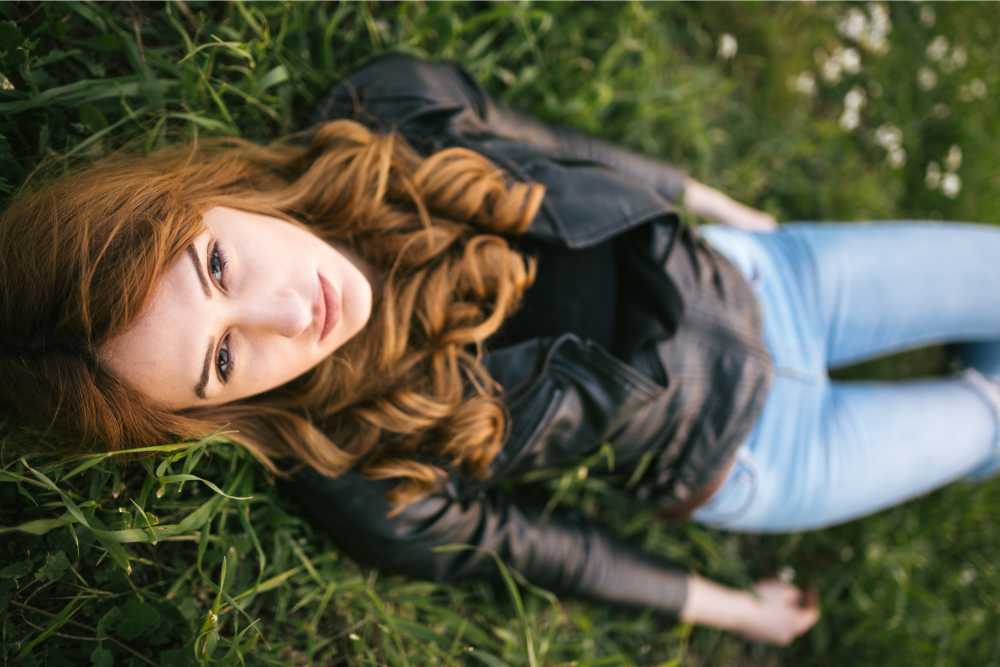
{"x":331,"y":307}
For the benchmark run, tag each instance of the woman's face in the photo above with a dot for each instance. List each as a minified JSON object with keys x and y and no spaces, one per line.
{"x":253,"y":303}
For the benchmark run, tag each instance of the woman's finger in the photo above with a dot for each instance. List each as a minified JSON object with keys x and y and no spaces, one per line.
{"x":806,"y":618}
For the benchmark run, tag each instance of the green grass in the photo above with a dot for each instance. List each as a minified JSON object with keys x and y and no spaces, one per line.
{"x":191,"y":556}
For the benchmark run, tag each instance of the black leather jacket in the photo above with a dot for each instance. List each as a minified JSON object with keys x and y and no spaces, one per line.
{"x":678,"y":407}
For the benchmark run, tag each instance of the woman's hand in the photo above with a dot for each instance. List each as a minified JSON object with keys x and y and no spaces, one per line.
{"x":714,"y":205}
{"x":781,"y":612}
{"x":773,"y":612}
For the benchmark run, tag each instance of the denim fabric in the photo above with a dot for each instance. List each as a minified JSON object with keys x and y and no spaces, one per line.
{"x":823,"y":451}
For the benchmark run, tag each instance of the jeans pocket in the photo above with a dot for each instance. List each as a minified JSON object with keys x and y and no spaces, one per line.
{"x":735,"y":495}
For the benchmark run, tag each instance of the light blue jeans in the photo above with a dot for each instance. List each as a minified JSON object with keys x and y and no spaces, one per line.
{"x":822,"y":451}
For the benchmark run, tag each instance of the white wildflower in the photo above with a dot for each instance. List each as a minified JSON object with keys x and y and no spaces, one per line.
{"x":5,"y":83}
{"x":888,"y":136}
{"x":849,"y":119}
{"x":926,"y":78}
{"x":727,"y":46}
{"x":967,"y":576}
{"x":855,"y":98}
{"x":878,"y":45}
{"x":932,"y":177}
{"x":850,"y":60}
{"x":804,"y":83}
{"x":874,"y":39}
{"x":786,"y":574}
{"x":831,"y":70}
{"x":957,"y":60}
{"x":853,"y":25}
{"x":897,"y":157}
{"x":959,"y":57}
{"x":938,"y":48}
{"x":953,"y":160}
{"x":974,"y":90}
{"x":879,"y":18}
{"x":927,"y":16}
{"x":940,"y":111}
{"x":951,"y":185}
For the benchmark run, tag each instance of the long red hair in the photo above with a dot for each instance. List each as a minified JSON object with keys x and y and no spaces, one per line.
{"x":406,"y":398}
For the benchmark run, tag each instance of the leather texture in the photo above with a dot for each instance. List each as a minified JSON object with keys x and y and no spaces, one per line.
{"x":673,"y":412}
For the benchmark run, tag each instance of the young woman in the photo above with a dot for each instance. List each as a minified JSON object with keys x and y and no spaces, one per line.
{"x":427,"y":294}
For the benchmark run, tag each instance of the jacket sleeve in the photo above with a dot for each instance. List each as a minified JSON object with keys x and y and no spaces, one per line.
{"x":432,"y":99}
{"x":564,"y":553}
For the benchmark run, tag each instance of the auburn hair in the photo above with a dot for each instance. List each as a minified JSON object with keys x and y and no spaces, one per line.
{"x":407,"y":399}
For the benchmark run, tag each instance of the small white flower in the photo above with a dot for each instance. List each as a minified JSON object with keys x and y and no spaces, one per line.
{"x":888,"y":136}
{"x":938,"y":48}
{"x":951,"y":185}
{"x":897,"y":157}
{"x":831,"y":70}
{"x":5,"y":83}
{"x":728,"y":46}
{"x":850,"y":60}
{"x":932,"y":178}
{"x":975,"y":90}
{"x":879,"y":18}
{"x":940,"y":111}
{"x":874,"y":39}
{"x":959,"y":57}
{"x":853,"y":25}
{"x":849,"y":119}
{"x":967,"y":576}
{"x":878,"y":45}
{"x":927,"y":16}
{"x":926,"y":78}
{"x":855,"y":98}
{"x":953,"y":160}
{"x":804,"y":83}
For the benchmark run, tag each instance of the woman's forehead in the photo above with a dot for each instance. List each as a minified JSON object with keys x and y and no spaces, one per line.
{"x":159,"y":354}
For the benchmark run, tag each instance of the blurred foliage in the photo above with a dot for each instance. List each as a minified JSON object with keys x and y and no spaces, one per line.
{"x":811,"y":111}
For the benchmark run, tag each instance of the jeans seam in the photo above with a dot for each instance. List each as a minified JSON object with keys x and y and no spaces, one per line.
{"x":814,"y":279}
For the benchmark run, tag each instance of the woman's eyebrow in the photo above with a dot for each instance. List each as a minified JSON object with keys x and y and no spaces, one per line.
{"x":199,"y":389}
{"x":193,"y":254}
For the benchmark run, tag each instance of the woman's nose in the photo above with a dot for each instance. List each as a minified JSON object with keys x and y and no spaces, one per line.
{"x":283,"y":312}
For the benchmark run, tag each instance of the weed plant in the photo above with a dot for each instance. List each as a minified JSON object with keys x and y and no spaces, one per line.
{"x":810,"y":111}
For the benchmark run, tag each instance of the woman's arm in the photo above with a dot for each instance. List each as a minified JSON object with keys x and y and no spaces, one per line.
{"x":772,"y":612}
{"x":447,"y":539}
{"x":708,"y":202}
{"x":563,"y":553}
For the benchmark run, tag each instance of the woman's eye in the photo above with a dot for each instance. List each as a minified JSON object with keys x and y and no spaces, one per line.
{"x":217,"y":265}
{"x":224,"y":360}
